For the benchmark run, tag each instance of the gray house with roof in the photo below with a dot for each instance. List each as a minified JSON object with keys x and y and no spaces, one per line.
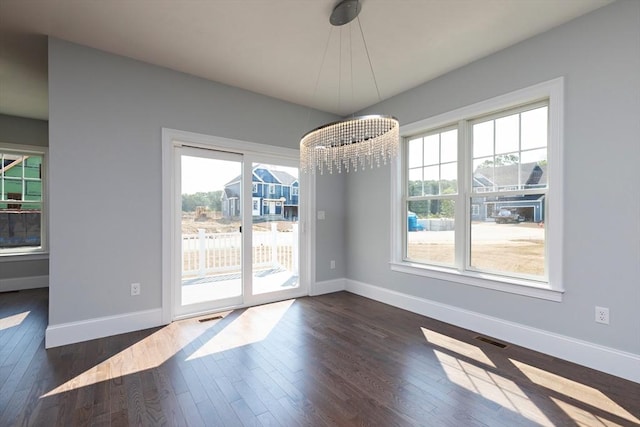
{"x":517,"y":176}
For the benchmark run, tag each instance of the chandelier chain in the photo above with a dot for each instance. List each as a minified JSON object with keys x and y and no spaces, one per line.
{"x":366,"y":49}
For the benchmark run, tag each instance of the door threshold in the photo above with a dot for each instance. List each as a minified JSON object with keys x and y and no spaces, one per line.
{"x":224,"y":311}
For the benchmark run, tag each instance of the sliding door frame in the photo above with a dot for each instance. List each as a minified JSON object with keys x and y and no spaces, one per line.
{"x":251,"y":152}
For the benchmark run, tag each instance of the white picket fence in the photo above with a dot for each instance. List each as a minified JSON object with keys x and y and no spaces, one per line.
{"x":205,"y":254}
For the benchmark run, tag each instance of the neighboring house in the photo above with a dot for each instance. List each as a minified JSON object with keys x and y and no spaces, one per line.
{"x":275,"y":195}
{"x":507,"y":178}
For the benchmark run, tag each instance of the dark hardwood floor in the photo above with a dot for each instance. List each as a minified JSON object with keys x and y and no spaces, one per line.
{"x":336,"y":359}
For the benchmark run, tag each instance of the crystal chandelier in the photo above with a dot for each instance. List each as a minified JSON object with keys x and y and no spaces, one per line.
{"x":349,"y":144}
{"x":352,"y":143}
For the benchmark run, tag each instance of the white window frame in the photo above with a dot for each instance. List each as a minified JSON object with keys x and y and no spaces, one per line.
{"x":294,"y":191}
{"x":42,"y":251}
{"x":551,"y":289}
{"x":272,"y":189}
{"x":254,"y":187}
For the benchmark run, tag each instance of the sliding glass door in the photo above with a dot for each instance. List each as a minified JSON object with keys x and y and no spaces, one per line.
{"x":209,"y":224}
{"x":237,"y":226}
{"x":275,"y":228}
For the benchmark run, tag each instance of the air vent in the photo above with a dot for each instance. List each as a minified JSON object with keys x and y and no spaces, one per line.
{"x":492,"y":342}
{"x":208,"y":319}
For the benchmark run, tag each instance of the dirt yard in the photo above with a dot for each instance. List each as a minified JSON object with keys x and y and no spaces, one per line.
{"x":516,"y":248}
{"x":214,"y":223}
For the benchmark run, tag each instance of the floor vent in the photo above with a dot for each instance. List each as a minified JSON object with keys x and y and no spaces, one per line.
{"x":492,"y":342}
{"x":208,"y":319}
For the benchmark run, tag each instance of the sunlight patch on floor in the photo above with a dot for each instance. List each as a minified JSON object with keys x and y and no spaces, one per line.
{"x":147,"y":353}
{"x":458,"y":346}
{"x":252,"y":326}
{"x":581,"y":416}
{"x":11,"y":321}
{"x":574,"y":390}
{"x":491,"y":386}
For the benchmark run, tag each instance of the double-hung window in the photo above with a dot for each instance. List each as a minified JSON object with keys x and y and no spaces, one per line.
{"x":477,"y":194}
{"x":22,"y":201}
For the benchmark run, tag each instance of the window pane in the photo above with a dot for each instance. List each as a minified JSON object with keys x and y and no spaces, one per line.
{"x":415,"y":153}
{"x":430,"y":231}
{"x":33,"y":190}
{"x":483,"y":139}
{"x":431,"y":180}
{"x":449,"y":146}
{"x":535,"y":174}
{"x":483,"y":175}
{"x":19,"y":228}
{"x":12,"y":188}
{"x":415,"y":182}
{"x":432,"y":149}
{"x":506,"y":172}
{"x":534,"y":128}
{"x":507,"y":134}
{"x":511,"y":238}
{"x":437,"y":177}
{"x":535,"y":156}
{"x":449,"y":178}
{"x":32,"y":165}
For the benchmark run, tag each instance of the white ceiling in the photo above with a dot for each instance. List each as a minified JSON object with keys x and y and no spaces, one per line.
{"x":272,"y":47}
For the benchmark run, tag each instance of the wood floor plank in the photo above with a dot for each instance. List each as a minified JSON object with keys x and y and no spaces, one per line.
{"x":333,"y":360}
{"x":209,"y":415}
{"x":251,"y":397}
{"x":190,"y":409}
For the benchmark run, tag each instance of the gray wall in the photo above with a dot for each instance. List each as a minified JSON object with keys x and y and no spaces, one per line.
{"x":599,"y":55}
{"x":330,"y":232}
{"x":105,"y":118}
{"x":18,"y":130}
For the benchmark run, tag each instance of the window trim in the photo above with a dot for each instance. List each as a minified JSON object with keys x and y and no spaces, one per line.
{"x":42,"y":252}
{"x":552,"y":290}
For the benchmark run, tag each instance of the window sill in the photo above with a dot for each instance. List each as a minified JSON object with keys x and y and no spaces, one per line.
{"x":514,"y":286}
{"x":23,"y":256}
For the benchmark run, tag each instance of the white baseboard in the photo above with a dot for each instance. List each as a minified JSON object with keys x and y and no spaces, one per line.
{"x":605,"y":359}
{"x":21,"y":283}
{"x":327,"y":286}
{"x":73,"y":332}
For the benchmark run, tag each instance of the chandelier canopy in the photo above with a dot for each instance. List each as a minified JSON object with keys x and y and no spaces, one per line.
{"x":356,"y":142}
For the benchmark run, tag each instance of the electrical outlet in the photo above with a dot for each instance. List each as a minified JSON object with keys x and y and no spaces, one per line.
{"x":332,"y":264}
{"x":135,"y":289}
{"x":602,"y":315}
